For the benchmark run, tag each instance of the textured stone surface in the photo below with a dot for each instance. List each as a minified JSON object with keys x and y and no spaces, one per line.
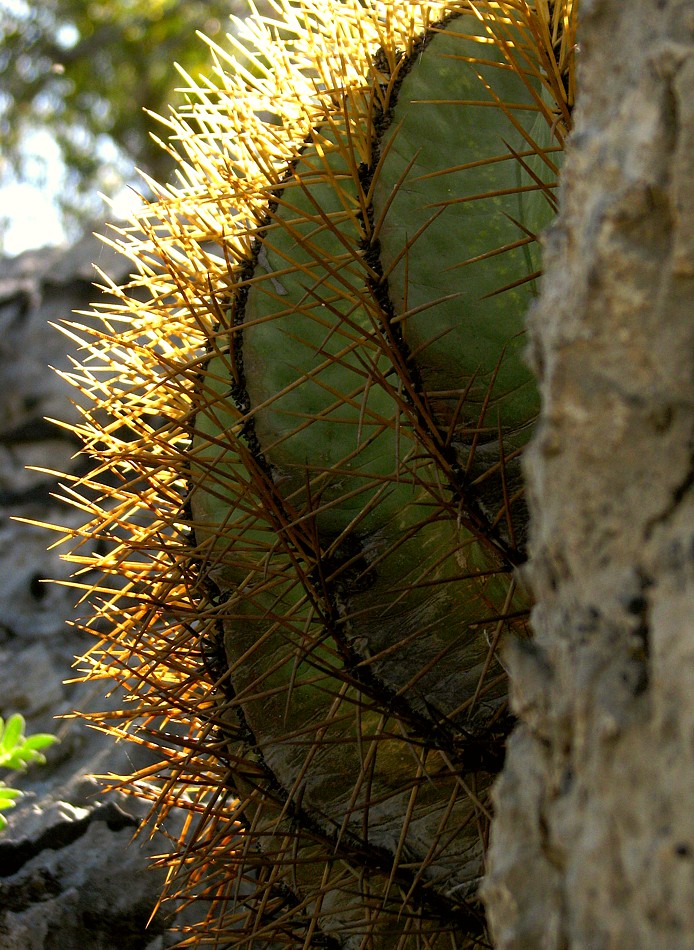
{"x":70,"y":878}
{"x":593,"y":845}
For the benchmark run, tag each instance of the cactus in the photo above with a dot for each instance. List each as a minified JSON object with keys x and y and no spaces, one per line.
{"x":307,"y":445}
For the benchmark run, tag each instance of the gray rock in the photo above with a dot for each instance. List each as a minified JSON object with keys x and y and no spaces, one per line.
{"x":71,"y":878}
{"x":27,"y":681}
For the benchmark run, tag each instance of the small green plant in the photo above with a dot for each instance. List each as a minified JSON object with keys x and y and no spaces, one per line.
{"x":18,"y":751}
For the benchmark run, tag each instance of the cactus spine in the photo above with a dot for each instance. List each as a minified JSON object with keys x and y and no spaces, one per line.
{"x":315,"y":423}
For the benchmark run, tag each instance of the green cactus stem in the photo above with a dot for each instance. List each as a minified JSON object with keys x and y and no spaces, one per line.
{"x":315,"y":423}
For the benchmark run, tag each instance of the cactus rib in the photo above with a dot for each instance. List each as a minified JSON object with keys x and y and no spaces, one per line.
{"x":308,"y":478}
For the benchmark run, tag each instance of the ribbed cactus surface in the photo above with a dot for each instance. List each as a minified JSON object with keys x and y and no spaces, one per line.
{"x":316,"y":422}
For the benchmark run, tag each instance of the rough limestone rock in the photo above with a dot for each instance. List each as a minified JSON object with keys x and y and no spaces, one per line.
{"x":593,"y":843}
{"x":70,"y":876}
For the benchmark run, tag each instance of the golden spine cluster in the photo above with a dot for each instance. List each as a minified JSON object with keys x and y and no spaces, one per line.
{"x":306,"y":411}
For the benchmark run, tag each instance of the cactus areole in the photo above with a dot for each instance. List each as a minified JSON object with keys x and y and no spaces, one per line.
{"x":307,"y":461}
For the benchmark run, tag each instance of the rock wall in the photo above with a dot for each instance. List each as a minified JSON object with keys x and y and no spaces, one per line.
{"x":593,"y":842}
{"x":70,"y":876}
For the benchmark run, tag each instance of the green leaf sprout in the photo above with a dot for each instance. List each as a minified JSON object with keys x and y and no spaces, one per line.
{"x":18,"y":751}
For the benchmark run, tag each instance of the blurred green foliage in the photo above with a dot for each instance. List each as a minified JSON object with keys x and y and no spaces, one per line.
{"x":84,"y":71}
